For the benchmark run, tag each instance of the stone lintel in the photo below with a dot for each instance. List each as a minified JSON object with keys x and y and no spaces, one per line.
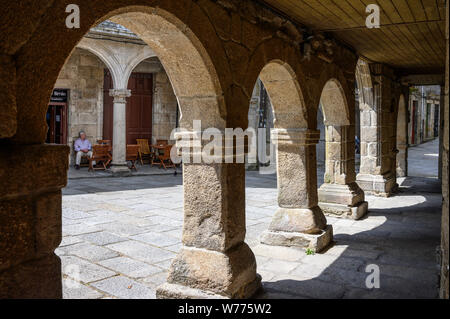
{"x":316,"y":242}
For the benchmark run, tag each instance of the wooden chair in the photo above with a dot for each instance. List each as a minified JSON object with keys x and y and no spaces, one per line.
{"x":144,"y":150}
{"x":106,"y":142}
{"x":133,"y":154}
{"x":109,"y":143}
{"x":100,"y":155}
{"x":164,"y":159}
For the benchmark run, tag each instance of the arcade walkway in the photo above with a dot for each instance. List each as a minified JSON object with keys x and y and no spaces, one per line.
{"x":121,"y":235}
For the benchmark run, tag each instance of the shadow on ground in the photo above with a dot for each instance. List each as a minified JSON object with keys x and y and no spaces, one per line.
{"x":400,"y":240}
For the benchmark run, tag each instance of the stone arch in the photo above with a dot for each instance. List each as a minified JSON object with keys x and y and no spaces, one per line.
{"x":277,"y":61}
{"x":369,"y":129}
{"x":195,"y":27}
{"x":402,"y":138}
{"x":285,"y":94}
{"x":336,"y":119}
{"x":188,"y":66}
{"x":364,"y":84}
{"x":120,"y":65}
{"x":105,"y":54}
{"x":334,"y":104}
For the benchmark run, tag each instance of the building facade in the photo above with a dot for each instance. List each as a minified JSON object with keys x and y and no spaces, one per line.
{"x":423,"y":114}
{"x":81,"y":99}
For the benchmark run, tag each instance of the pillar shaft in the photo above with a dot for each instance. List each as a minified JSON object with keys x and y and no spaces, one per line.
{"x":377,"y":173}
{"x":30,"y":219}
{"x":119,"y":130}
{"x":214,"y":260}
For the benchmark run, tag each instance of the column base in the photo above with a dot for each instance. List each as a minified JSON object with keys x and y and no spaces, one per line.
{"x":300,"y":220}
{"x":120,"y":170}
{"x":317,"y":242}
{"x":377,"y":185}
{"x":345,"y":211}
{"x":176,"y":291}
{"x":202,"y":273}
{"x":345,"y":201}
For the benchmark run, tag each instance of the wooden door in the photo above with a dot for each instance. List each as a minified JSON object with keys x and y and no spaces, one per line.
{"x":57,"y":123}
{"x":108,"y":107}
{"x":138,"y":110}
{"x":139,"y":107}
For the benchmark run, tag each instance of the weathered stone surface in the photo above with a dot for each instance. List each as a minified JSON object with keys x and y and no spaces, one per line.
{"x":300,"y":220}
{"x":229,"y":274}
{"x":26,"y":168}
{"x":38,"y":278}
{"x":338,"y":210}
{"x":8,"y":124}
{"x":214,"y":207}
{"x":316,"y":242}
{"x":347,"y":194}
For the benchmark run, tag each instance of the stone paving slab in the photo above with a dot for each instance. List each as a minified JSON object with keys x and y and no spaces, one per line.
{"x":122,"y":287}
{"x":140,"y":251}
{"x":88,"y":272}
{"x":130,"y":267}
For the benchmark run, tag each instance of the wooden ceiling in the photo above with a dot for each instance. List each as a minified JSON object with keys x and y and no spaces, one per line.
{"x":411,"y":38}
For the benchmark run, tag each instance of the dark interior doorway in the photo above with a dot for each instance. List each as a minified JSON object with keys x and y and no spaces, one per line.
{"x":56,"y":117}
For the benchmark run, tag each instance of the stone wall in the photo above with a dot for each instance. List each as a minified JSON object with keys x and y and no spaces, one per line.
{"x":164,"y":107}
{"x":444,"y":289}
{"x":83,"y":76}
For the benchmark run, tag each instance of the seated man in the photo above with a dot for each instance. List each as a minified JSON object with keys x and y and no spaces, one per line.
{"x":82,"y":147}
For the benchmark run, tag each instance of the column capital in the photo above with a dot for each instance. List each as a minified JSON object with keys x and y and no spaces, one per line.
{"x":295,"y":136}
{"x":120,"y":95}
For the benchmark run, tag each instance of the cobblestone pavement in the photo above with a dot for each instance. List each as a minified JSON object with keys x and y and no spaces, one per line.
{"x":119,"y":236}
